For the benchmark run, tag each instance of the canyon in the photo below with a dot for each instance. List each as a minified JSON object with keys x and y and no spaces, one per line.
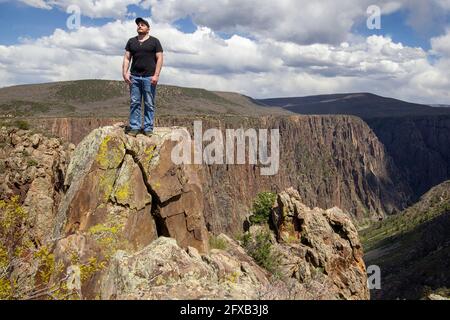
{"x":119,"y":220}
{"x":360,"y":157}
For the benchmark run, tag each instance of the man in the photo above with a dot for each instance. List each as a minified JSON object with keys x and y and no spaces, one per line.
{"x":147,"y":60}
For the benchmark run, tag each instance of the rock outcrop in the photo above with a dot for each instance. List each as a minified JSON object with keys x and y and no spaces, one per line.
{"x":130,"y":184}
{"x":320,"y":242}
{"x":320,"y":260}
{"x":33,"y":166}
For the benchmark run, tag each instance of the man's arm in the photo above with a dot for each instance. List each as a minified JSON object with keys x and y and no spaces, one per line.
{"x":125,"y":66}
{"x":159,"y":64}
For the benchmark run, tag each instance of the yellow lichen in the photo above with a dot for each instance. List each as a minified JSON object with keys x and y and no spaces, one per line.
{"x":90,"y":268}
{"x":47,"y":264}
{"x":233,"y":277}
{"x":108,"y":237}
{"x":122,"y":193}
{"x":159,"y":281}
{"x":110,"y":156}
{"x":106,"y":182}
{"x":102,"y":157}
{"x":101,"y":228}
{"x":5,"y":289}
{"x":12,"y":213}
{"x":150,"y":153}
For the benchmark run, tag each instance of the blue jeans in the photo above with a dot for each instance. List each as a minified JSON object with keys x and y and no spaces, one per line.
{"x":142,"y":87}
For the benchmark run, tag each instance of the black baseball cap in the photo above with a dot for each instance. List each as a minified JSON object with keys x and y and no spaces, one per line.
{"x":140,"y":20}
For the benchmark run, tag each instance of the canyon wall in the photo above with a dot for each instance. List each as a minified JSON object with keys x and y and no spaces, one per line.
{"x":419,"y":147}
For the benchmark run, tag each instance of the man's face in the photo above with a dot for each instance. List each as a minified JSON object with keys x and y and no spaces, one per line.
{"x":142,"y":28}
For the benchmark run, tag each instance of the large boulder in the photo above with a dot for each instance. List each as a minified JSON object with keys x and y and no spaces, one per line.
{"x":130,"y":186}
{"x":163,"y":270}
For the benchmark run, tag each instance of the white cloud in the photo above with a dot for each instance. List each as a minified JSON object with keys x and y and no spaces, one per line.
{"x":89,"y":8}
{"x":300,"y":21}
{"x":376,"y":57}
{"x":41,"y":4}
{"x":441,"y":44}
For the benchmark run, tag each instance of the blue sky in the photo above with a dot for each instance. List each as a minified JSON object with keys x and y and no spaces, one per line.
{"x":266,"y":49}
{"x":396,"y":26}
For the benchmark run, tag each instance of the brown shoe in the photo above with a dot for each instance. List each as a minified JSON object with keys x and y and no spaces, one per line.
{"x":133,"y":133}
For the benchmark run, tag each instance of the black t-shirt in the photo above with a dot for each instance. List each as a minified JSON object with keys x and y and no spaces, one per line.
{"x":143,"y":55}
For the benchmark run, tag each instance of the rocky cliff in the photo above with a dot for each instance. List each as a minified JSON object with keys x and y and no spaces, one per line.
{"x":124,"y":222}
{"x":33,"y":167}
{"x":419,"y":147}
{"x":331,"y":160}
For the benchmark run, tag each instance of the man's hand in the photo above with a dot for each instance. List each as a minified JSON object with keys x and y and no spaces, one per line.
{"x":125,"y":65}
{"x":126,"y":77}
{"x":155,"y":79}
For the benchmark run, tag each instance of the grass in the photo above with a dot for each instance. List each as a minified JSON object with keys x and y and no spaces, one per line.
{"x":217,"y":243}
{"x":91,"y":90}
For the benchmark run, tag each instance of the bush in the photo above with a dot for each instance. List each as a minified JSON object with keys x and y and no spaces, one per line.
{"x":32,"y":163}
{"x":12,"y":221}
{"x":262,"y":207}
{"x":260,"y":248}
{"x":22,"y":124}
{"x":217,"y":243}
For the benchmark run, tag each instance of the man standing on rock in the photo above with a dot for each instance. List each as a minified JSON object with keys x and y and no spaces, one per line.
{"x":146,"y":53}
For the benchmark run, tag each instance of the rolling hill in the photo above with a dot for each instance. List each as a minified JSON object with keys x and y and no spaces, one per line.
{"x":364,"y":105}
{"x":104,"y":98}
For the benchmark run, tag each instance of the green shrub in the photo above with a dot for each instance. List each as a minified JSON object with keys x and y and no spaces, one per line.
{"x":260,"y":248}
{"x":262,"y":207}
{"x":12,"y":219}
{"x":217,"y":243}
{"x":32,"y":163}
{"x":22,"y":124}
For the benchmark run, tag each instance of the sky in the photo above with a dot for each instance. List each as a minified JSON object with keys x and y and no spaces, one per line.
{"x":260,"y":48}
